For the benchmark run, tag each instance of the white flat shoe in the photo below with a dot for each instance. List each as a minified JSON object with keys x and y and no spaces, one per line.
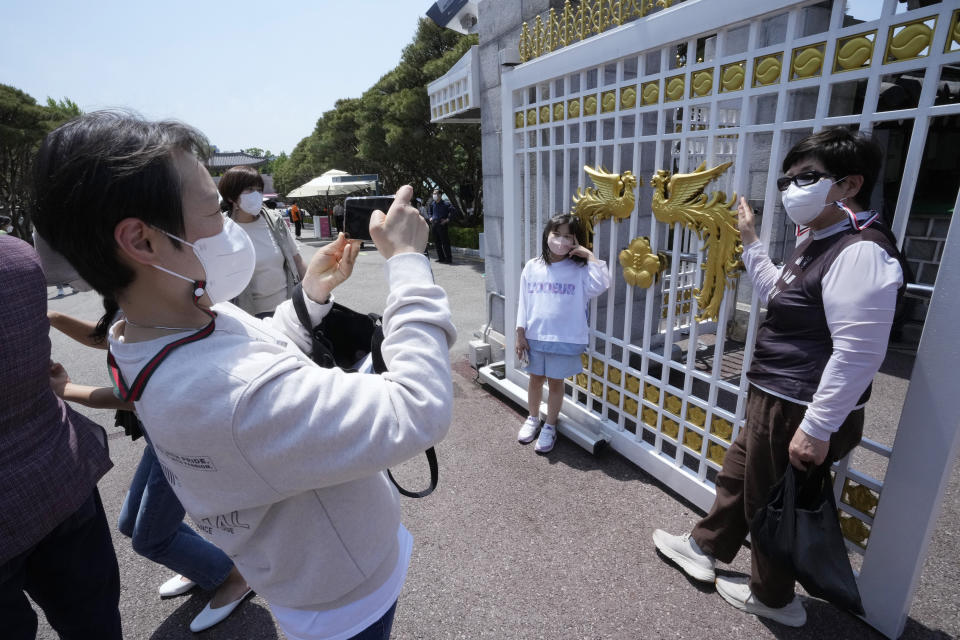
{"x":175,"y":586}
{"x":209,"y":616}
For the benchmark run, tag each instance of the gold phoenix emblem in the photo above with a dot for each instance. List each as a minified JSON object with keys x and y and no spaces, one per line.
{"x":681,"y":199}
{"x":640,"y":264}
{"x":612,"y":197}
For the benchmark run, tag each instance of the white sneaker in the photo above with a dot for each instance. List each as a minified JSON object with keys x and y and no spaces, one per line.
{"x":736,"y":591}
{"x":175,"y":586}
{"x":683,"y":551}
{"x":548,"y":438}
{"x":529,"y":430}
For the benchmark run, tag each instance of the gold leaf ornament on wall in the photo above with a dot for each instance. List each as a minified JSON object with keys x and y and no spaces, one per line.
{"x":609,"y":101}
{"x":910,"y":41}
{"x":590,"y":105}
{"x":573,"y":108}
{"x":702,"y":83}
{"x":767,"y":70}
{"x":680,"y":199}
{"x":953,"y":35}
{"x":613,"y":196}
{"x":854,"y":52}
{"x":674,"y":88}
{"x":732,"y":77}
{"x":650,"y":93}
{"x":807,"y":62}
{"x":640,"y":265}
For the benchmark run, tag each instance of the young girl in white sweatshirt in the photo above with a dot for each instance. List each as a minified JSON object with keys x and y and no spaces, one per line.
{"x":552,"y":319}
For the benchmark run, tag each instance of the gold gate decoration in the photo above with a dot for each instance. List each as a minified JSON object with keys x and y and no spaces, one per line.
{"x":572,"y":25}
{"x":681,"y":199}
{"x":640,"y":264}
{"x":612,"y":197}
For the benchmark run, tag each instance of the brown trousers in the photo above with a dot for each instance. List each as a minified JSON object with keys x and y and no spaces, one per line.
{"x":753,"y":464}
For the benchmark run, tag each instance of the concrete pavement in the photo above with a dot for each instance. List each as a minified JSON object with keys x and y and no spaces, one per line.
{"x":512,"y":544}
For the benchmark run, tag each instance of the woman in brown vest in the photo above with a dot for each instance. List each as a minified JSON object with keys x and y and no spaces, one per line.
{"x":830,"y":308}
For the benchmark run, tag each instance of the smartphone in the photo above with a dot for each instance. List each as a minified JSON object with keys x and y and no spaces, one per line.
{"x":356,"y":214}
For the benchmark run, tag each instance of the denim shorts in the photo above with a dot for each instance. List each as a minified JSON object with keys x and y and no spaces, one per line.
{"x":554,"y":365}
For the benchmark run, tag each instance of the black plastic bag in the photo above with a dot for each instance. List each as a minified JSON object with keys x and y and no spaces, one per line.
{"x":799,"y":529}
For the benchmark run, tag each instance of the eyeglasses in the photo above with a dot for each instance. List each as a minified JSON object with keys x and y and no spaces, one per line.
{"x":802,"y":179}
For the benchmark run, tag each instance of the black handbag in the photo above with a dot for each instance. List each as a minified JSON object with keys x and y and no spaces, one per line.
{"x":799,"y":529}
{"x":342,"y":339}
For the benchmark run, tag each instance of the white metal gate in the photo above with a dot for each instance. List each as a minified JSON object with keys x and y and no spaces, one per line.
{"x":715,"y":81}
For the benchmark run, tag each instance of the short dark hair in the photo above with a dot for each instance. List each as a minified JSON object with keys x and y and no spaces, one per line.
{"x":99,"y":169}
{"x":842,"y":153}
{"x":554,"y":223}
{"x":236,"y":179}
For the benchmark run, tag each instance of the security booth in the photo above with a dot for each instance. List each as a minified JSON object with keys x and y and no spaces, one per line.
{"x":648,"y":120}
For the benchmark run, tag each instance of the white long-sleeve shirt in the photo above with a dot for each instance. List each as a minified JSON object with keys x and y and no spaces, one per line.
{"x":859,"y":294}
{"x":554,"y":297}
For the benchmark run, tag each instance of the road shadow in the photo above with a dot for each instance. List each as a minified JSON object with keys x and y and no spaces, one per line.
{"x":568,"y":453}
{"x":898,"y":364}
{"x":252,"y":619}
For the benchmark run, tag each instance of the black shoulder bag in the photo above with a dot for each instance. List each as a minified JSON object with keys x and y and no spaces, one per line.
{"x":343,"y":338}
{"x":799,"y":529}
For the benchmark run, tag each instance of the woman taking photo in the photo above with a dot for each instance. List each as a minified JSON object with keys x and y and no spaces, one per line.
{"x":279,"y":265}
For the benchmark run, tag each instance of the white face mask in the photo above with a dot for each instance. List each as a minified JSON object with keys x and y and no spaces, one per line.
{"x":559,"y":245}
{"x":251,"y":202}
{"x":804,"y":204}
{"x":228,"y":260}
{"x":436,"y":197}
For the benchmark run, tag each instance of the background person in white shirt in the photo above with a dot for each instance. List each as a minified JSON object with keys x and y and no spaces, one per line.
{"x":555,"y":289}
{"x":279,"y":264}
{"x":830,"y":308}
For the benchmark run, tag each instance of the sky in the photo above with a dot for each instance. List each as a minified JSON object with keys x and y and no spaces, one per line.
{"x":247,"y":74}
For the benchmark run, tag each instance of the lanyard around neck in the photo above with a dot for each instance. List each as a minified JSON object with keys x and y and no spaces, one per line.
{"x":133,"y":392}
{"x":875,"y":215}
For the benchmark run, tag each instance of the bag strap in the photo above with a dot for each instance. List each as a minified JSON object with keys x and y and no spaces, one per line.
{"x":321,"y":351}
{"x":431,"y":454}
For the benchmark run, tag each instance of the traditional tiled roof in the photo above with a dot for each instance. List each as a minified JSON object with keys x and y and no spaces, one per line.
{"x":227,"y":160}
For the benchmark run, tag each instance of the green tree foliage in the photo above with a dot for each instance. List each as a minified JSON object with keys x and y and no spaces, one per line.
{"x":388,"y":131}
{"x":23,"y":124}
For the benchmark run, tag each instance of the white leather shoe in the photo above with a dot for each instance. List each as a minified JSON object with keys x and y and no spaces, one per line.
{"x":175,"y":586}
{"x":209,"y":616}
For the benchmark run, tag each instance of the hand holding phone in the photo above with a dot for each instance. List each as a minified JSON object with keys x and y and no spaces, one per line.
{"x":357,"y":212}
{"x":401,"y":229}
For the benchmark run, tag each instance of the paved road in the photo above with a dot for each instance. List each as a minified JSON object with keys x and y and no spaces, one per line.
{"x":515,"y":545}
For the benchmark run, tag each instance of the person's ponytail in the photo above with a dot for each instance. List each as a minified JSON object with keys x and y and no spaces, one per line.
{"x":110,"y":309}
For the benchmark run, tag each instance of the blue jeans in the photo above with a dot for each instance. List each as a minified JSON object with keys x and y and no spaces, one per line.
{"x":379,"y":630}
{"x":152,"y":517}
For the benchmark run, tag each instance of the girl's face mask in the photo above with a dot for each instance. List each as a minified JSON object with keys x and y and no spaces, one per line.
{"x":559,"y":245}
